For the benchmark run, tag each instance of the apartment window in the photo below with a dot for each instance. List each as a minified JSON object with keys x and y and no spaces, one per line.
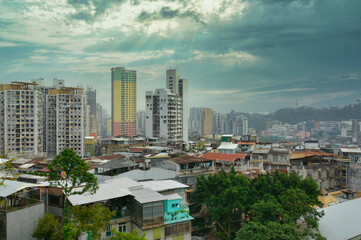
{"x":151,"y":210}
{"x":122,"y":227}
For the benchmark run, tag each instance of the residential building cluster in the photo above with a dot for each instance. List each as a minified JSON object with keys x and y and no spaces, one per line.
{"x":144,"y":162}
{"x":347,"y":131}
{"x":156,"y":208}
{"x":204,"y":122}
{"x":42,"y":121}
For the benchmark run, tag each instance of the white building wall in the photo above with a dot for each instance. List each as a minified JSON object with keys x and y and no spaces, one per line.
{"x":68,"y":120}
{"x":21,"y":122}
{"x":185,"y":110}
{"x":149,"y":114}
{"x":172,"y":78}
{"x":20,"y":224}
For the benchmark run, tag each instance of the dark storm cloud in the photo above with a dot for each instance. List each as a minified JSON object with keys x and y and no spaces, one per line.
{"x":168,"y":13}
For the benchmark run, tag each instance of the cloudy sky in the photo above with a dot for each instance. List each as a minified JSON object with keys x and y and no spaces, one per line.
{"x":251,"y":55}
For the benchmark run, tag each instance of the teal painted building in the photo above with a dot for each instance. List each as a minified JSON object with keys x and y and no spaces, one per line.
{"x":174,"y":210}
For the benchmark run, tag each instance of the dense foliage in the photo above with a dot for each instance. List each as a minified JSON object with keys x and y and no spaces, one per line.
{"x":90,"y":220}
{"x":48,"y":227}
{"x":236,"y":202}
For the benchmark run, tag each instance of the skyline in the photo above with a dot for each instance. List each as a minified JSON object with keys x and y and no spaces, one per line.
{"x":250,"y":56}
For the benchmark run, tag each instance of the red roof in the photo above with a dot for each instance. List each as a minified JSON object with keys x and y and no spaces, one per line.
{"x":138,"y":150}
{"x":111,"y":157}
{"x":44,"y":169}
{"x":230,"y":157}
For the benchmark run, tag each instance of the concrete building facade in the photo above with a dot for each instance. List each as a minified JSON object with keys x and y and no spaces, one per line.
{"x":67,"y":120}
{"x":206,"y":122}
{"x":21,"y":119}
{"x":124,"y":102}
{"x":163,"y":115}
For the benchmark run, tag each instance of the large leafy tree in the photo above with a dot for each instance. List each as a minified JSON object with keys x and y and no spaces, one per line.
{"x":85,"y":219}
{"x":233,"y":200}
{"x":70,"y":172}
{"x":48,"y":227}
{"x":91,"y":219}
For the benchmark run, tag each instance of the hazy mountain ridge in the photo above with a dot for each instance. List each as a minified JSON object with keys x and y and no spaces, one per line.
{"x":296,"y":115}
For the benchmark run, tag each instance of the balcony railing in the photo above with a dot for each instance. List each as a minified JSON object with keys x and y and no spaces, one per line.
{"x":17,"y":204}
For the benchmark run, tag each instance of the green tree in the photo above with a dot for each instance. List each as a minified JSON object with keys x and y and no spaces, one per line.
{"x":69,"y":171}
{"x":281,"y":198}
{"x":227,"y":197}
{"x":268,"y":231}
{"x":91,"y":219}
{"x":126,"y":236}
{"x":48,"y":227}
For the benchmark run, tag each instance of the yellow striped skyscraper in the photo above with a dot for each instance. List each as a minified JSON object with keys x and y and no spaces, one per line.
{"x":124,"y":102}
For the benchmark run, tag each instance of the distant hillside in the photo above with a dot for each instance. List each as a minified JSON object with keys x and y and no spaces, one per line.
{"x":296,"y":115}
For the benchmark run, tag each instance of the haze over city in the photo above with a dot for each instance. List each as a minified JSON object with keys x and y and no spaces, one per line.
{"x":251,"y":56}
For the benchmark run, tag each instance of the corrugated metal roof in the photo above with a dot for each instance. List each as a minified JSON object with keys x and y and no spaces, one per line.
{"x":11,"y":187}
{"x":106,"y":191}
{"x":160,"y":186}
{"x":351,"y":150}
{"x":151,"y":174}
{"x":342,"y":221}
{"x":146,"y":195}
{"x":173,"y":196}
{"x":228,"y":146}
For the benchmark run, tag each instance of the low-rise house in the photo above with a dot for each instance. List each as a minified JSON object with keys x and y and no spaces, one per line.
{"x":157,"y":159}
{"x":143,"y":206}
{"x":21,"y":204}
{"x":115,"y":167}
{"x":189,"y":167}
{"x":323,"y":167}
{"x":349,"y":155}
{"x":311,"y":144}
{"x":227,"y":160}
{"x":278,"y":160}
{"x":228,"y":147}
{"x":176,"y":212}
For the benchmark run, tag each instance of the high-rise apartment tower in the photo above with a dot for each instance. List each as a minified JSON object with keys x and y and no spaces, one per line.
{"x":21,"y":119}
{"x":124,"y":102}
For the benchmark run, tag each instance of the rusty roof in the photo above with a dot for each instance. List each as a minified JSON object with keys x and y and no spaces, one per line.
{"x":229,"y":157}
{"x":111,"y":157}
{"x":311,"y":153}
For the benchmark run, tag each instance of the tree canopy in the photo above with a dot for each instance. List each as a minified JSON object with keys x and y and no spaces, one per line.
{"x":233,"y":201}
{"x":91,"y":219}
{"x":84,"y":219}
{"x":69,"y":171}
{"x":48,"y":227}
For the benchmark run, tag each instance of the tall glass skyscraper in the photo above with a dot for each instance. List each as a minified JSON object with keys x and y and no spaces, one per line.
{"x":124,"y":102}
